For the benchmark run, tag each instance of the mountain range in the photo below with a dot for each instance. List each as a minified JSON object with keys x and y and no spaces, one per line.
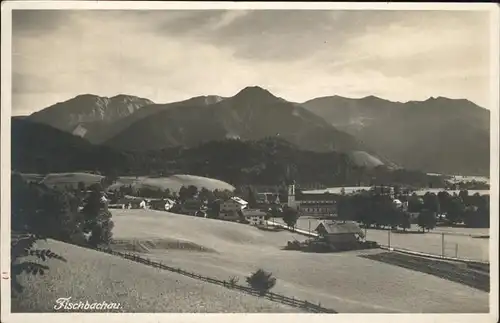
{"x":437,"y":135}
{"x":42,"y":149}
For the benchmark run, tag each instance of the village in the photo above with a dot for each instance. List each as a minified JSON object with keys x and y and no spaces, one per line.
{"x":269,"y":213}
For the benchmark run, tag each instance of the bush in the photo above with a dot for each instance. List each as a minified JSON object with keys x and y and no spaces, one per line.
{"x":261,"y":281}
{"x":233,"y":281}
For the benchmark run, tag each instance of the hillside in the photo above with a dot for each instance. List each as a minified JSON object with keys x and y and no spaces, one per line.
{"x":346,"y":282}
{"x":252,"y":114}
{"x":38,"y":148}
{"x":88,"y":115}
{"x":172,"y":183}
{"x":437,"y":135}
{"x":96,"y":277}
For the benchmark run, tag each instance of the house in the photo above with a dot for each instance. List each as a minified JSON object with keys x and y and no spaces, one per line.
{"x":233,"y":204}
{"x":255,"y":217}
{"x":340,"y":233}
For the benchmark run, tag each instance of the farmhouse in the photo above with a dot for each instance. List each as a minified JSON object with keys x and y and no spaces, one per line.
{"x":233,"y":204}
{"x":255,"y":217}
{"x":340,"y":233}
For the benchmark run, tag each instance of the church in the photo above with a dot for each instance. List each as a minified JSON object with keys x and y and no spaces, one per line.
{"x":312,"y":204}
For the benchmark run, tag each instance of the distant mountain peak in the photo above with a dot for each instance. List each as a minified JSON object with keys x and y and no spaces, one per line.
{"x":255,"y":91}
{"x":372,"y":98}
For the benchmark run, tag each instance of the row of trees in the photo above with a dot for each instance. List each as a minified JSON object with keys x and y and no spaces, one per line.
{"x":380,"y":210}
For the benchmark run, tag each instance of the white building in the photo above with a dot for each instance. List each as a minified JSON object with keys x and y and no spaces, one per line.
{"x":255,"y":217}
{"x":234,"y":204}
{"x":314,"y":204}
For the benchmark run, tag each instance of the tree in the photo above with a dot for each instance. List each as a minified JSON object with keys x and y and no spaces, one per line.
{"x":290,"y":216}
{"x":415,"y":204}
{"x":81,"y":186}
{"x":183,"y":194}
{"x":456,"y":209}
{"x":109,"y":179}
{"x":427,"y":220}
{"x":464,"y":195}
{"x":431,"y":202}
{"x":261,"y":281}
{"x":192,"y":191}
{"x":474,"y":218}
{"x":252,"y":199}
{"x":213,"y":209}
{"x":345,"y":208}
{"x":405,"y":220}
{"x":97,"y":219}
{"x":444,"y":201}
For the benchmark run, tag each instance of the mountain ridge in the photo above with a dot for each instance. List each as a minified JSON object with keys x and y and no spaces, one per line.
{"x":253,"y":113}
{"x":429,"y":135}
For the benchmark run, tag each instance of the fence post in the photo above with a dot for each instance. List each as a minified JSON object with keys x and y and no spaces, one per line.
{"x":456,"y":250}
{"x":389,"y":238}
{"x":442,"y":244}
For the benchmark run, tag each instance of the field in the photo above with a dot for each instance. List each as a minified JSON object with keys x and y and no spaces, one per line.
{"x":173,"y":183}
{"x":95,"y":277}
{"x":346,"y":282}
{"x":430,"y":242}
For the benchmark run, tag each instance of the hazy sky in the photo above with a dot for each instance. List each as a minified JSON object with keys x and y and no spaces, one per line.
{"x":298,"y":55}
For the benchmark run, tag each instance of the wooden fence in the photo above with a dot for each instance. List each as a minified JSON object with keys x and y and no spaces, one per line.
{"x":291,"y":301}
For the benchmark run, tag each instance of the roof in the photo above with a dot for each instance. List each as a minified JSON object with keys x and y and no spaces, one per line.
{"x":341,"y":228}
{"x":239,"y":200}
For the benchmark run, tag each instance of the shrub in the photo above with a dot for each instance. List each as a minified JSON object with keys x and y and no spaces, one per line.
{"x":261,"y":281}
{"x":233,"y":281}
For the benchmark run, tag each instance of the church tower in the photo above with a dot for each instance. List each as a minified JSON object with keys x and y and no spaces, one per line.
{"x":291,"y":195}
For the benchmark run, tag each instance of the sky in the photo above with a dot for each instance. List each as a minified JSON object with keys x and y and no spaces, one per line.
{"x":167,"y":55}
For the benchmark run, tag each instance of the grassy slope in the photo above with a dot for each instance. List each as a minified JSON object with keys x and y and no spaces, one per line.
{"x":343,"y":281}
{"x":95,"y":277}
{"x":173,"y":183}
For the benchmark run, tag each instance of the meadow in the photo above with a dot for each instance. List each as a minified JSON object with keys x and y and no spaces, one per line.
{"x":346,"y":282}
{"x":94,"y":276}
{"x":173,"y":183}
